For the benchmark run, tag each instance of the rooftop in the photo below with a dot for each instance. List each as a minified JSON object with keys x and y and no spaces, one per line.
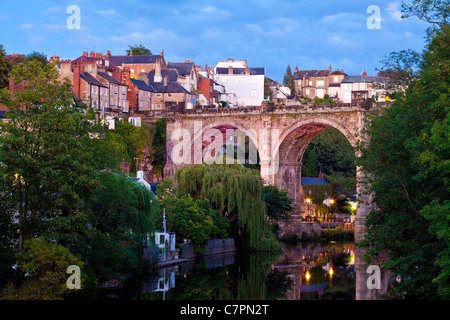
{"x":127,"y":59}
{"x":183,"y":68}
{"x":313,"y":181}
{"x":253,"y":71}
{"x":298,"y":74}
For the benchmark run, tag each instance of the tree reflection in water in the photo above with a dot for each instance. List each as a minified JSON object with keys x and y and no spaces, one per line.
{"x":263,"y":276}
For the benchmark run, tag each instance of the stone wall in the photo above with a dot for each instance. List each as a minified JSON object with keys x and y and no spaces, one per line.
{"x":213,"y":247}
{"x":296,"y":226}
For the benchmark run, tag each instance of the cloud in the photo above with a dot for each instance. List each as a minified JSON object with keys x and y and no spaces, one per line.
{"x":110,"y":12}
{"x":394,"y":9}
{"x":214,"y":10}
{"x":26,"y":26}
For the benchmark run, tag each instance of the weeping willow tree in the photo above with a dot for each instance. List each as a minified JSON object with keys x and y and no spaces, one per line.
{"x":237,"y":193}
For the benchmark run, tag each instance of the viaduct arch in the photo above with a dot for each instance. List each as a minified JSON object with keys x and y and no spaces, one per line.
{"x":280,"y":137}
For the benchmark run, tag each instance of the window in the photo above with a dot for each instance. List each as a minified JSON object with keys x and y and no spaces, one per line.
{"x":307,"y":92}
{"x":253,"y":80}
{"x":124,"y":90}
{"x":253,"y":93}
{"x":299,"y":82}
{"x":236,"y":80}
{"x":161,"y":237}
{"x":242,"y":80}
{"x":320,"y":83}
{"x":310,"y":82}
{"x":224,"y":79}
{"x":336,"y":78}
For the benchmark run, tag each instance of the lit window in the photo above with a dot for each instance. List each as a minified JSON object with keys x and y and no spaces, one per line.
{"x":253,"y":93}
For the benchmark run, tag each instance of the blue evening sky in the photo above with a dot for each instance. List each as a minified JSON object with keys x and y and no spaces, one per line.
{"x":310,"y":34}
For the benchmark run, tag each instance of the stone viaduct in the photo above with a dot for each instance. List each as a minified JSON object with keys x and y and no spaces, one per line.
{"x":280,"y":135}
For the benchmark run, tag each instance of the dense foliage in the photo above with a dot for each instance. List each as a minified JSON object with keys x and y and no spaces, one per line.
{"x":407,"y":157}
{"x":331,"y":153}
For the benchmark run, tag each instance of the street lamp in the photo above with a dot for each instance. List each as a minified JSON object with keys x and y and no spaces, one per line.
{"x":308,"y":200}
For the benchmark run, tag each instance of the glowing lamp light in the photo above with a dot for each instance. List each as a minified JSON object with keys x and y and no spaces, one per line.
{"x":307,"y":275}
{"x":308,"y":200}
{"x":331,"y":272}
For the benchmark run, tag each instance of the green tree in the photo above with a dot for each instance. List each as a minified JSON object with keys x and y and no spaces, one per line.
{"x":193,"y":219}
{"x":138,"y":50}
{"x":237,"y":193}
{"x":121,"y":213}
{"x":47,"y":170}
{"x":158,"y":147}
{"x":46,"y":266}
{"x":310,"y":164}
{"x":4,"y":68}
{"x":288,"y":80}
{"x":406,"y":158}
{"x":278,"y":202}
{"x":37,"y":56}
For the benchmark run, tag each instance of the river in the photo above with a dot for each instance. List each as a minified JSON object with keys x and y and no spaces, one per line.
{"x":307,"y":271}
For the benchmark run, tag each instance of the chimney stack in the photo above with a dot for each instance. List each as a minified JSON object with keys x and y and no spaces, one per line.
{"x":157,"y":77}
{"x":166,"y":78}
{"x":77,"y":70}
{"x":131,"y":52}
{"x":85,"y":54}
{"x":92,"y":54}
{"x":230,"y":70}
{"x":365,"y":74}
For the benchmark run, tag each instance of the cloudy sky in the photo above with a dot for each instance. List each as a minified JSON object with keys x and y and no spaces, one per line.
{"x":310,"y":34}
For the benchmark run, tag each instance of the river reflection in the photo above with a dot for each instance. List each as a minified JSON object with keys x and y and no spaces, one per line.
{"x":312,"y":271}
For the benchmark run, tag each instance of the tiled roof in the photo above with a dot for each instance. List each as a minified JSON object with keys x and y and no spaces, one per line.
{"x":109,"y":78}
{"x":351,"y":79}
{"x":143,"y":86}
{"x":171,"y":73}
{"x":310,"y":73}
{"x":313,"y":181}
{"x":91,"y":80}
{"x":120,"y":60}
{"x":183,"y":68}
{"x":253,"y":71}
{"x":171,"y":87}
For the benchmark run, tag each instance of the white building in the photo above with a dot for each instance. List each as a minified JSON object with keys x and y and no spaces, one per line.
{"x":237,"y":78}
{"x":353,"y":88}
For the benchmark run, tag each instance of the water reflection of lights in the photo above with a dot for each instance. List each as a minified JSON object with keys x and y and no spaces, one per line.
{"x":307,"y":275}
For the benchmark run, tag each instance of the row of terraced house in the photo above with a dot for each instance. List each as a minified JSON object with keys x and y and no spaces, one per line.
{"x":138,"y":86}
{"x":134,"y":86}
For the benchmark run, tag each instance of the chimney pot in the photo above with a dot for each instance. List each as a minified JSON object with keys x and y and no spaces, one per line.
{"x":92,"y":54}
{"x":85,"y":54}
